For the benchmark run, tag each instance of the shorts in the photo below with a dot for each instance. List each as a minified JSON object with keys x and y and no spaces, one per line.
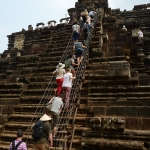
{"x":79,"y":53}
{"x":55,"y":117}
{"x":76,"y":36}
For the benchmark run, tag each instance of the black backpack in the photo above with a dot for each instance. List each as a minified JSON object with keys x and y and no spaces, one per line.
{"x":37,"y":130}
{"x":85,"y":28}
{"x":15,"y":147}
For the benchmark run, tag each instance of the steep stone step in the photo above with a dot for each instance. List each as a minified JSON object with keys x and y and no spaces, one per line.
{"x":21,"y":66}
{"x":9,"y":99}
{"x":44,"y":69}
{"x":28,"y":58}
{"x":10,"y":91}
{"x":34,"y":92}
{"x":10,"y":86}
{"x":55,"y":49}
{"x":53,"y":53}
{"x":106,"y":81}
{"x":41,"y":78}
{"x":9,"y":137}
{"x":53,"y":58}
{"x":10,"y":95}
{"x":36,"y":85}
{"x":114,"y":89}
{"x":48,"y":63}
{"x":124,"y":94}
{"x":14,"y":126}
{"x":46,"y":75}
{"x":6,"y":146}
{"x":24,"y":117}
{"x":30,"y":99}
{"x":26,"y":108}
{"x":76,"y":143}
{"x":104,"y":76}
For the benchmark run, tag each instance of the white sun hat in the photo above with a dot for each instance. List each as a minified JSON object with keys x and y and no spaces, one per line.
{"x":60,"y":65}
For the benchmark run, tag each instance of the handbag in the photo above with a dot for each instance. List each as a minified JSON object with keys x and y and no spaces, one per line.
{"x":49,"y":105}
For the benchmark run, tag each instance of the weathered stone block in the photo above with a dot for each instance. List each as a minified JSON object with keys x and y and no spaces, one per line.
{"x":19,"y":40}
{"x":118,"y":64}
{"x":2,"y":127}
{"x":11,"y":79}
{"x":105,"y":66}
{"x":99,"y":111}
{"x":8,"y":110}
{"x":2,"y":121}
{"x":6,"y":118}
{"x":133,"y":123}
{"x":111,"y":111}
{"x":119,"y":72}
{"x":146,"y":124}
{"x":127,"y":111}
{"x":144,"y":111}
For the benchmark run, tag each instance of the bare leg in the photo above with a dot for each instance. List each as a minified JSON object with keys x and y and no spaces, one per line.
{"x":55,"y":131}
{"x":81,"y":59}
{"x":78,"y":60}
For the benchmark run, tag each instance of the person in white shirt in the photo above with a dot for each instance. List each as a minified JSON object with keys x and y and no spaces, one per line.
{"x":67,"y":85}
{"x":124,"y":28}
{"x":76,"y":31}
{"x":59,"y":77}
{"x":57,"y":105}
{"x":140,"y":34}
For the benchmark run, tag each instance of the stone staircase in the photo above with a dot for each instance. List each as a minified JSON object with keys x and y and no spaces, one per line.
{"x":112,"y":110}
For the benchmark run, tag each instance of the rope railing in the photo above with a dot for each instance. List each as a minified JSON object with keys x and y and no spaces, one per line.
{"x":65,"y":116}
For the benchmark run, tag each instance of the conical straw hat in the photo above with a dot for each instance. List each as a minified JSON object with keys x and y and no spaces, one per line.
{"x":45,"y":118}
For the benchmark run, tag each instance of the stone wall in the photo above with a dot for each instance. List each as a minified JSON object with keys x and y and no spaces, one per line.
{"x":5,"y":111}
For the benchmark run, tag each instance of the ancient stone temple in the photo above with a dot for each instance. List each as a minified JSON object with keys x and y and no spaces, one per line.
{"x":110,"y":98}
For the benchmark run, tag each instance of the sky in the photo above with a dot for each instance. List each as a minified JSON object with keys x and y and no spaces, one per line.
{"x":18,"y":14}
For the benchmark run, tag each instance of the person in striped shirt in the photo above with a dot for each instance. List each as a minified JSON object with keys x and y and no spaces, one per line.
{"x":18,"y":142}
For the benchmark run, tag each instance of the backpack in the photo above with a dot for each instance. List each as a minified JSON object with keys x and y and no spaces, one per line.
{"x":85,"y":28}
{"x":37,"y":130}
{"x":15,"y":147}
{"x":67,"y":63}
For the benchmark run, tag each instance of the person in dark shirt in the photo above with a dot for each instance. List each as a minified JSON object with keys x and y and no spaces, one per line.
{"x":78,"y":48}
{"x":85,"y":31}
{"x":70,"y":63}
